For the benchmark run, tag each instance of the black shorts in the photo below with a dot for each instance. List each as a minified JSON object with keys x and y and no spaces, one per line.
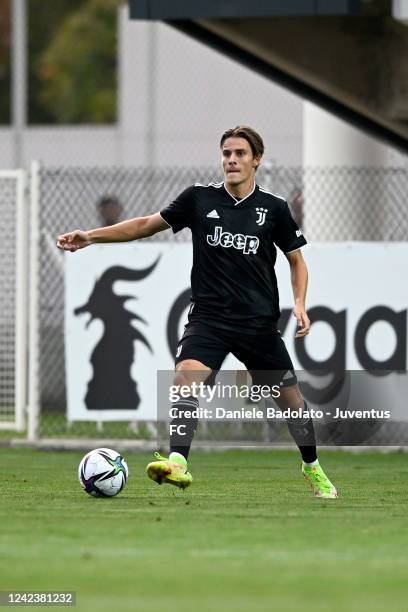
{"x":264,"y":354}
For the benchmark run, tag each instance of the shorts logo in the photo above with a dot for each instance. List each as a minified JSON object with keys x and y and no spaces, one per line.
{"x":261,"y":215}
{"x":179,"y":350}
{"x":298,"y":233}
{"x":247,"y":244}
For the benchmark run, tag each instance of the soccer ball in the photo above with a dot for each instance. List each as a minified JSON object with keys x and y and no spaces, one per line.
{"x":103,"y":472}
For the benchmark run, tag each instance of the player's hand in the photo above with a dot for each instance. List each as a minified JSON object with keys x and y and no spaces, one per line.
{"x":303,"y":323}
{"x":72,"y":241}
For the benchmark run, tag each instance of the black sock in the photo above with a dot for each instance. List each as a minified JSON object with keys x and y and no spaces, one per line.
{"x":181,"y":439}
{"x":302,"y":431}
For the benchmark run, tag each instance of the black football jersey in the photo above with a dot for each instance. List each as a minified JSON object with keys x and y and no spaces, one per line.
{"x":233,"y":277}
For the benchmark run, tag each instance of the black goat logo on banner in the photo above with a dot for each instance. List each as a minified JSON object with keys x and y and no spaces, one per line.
{"x":112,"y":387}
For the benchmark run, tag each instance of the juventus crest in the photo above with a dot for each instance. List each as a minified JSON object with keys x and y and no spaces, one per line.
{"x":261,"y":215}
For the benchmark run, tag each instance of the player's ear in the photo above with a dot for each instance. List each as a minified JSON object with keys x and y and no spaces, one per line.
{"x":256,"y":162}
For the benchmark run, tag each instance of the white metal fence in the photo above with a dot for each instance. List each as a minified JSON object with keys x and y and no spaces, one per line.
{"x":13,"y":299}
{"x":339,"y":204}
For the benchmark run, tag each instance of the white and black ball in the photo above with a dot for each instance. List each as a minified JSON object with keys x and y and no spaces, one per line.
{"x":103,"y":472}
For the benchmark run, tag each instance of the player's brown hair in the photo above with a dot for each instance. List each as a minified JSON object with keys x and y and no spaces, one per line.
{"x":243,"y":131}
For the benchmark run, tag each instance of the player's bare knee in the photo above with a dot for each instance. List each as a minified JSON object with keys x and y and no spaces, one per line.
{"x":290,"y":397}
{"x":191,"y":370}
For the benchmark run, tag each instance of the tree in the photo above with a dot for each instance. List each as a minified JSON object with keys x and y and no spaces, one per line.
{"x":44,"y":19}
{"x":77,"y":71}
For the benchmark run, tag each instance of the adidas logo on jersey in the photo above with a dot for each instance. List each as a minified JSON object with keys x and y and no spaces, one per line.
{"x":213,"y":215}
{"x":247,"y":244}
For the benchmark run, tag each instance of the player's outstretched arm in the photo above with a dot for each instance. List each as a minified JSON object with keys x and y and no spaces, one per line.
{"x":133,"y":229}
{"x":299,"y":277}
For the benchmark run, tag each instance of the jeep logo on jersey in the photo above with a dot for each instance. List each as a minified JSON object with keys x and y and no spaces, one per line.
{"x":247,"y":244}
{"x":261,"y":212}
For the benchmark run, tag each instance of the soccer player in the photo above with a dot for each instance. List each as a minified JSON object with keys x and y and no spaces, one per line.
{"x":235,"y":226}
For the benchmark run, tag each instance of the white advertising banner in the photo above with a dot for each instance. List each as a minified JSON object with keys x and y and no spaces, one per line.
{"x":126,"y":305}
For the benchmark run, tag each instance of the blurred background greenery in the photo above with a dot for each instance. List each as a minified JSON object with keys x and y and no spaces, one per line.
{"x":72,"y":46}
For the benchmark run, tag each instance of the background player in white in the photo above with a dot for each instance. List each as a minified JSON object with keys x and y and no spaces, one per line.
{"x":238,"y":310}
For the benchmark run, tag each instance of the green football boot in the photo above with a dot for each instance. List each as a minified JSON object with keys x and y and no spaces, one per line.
{"x":172,"y":470}
{"x":319,"y":483}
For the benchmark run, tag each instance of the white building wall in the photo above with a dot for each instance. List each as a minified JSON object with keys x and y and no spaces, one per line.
{"x":179,"y":96}
{"x":56,"y":146}
{"x":6,"y":148}
{"x":329,"y":141}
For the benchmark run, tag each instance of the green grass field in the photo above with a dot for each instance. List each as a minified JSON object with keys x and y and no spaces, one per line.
{"x":247,"y":536}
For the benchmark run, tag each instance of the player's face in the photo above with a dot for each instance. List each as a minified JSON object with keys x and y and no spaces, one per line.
{"x":238,"y":161}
